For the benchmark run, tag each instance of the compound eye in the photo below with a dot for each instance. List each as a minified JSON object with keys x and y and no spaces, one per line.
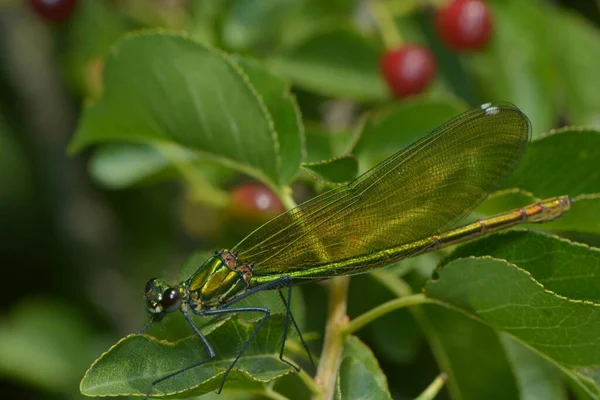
{"x":150,"y":285}
{"x":171,"y":300}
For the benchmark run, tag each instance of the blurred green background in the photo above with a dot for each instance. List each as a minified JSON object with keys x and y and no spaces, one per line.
{"x":78,"y":240}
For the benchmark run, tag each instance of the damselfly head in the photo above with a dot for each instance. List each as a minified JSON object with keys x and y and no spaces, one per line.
{"x":162,"y":298}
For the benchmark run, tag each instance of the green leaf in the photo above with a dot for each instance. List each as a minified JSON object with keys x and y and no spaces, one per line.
{"x":336,"y":61}
{"x":121,"y":166}
{"x":563,"y":162}
{"x":318,"y":143}
{"x":287,"y":119}
{"x":386,"y":131}
{"x":511,"y":300}
{"x":517,"y":64}
{"x":125,"y":165}
{"x":337,"y":170}
{"x":130,"y":366}
{"x":291,"y":387}
{"x":471,"y":354}
{"x":191,"y":95}
{"x":567,"y":268}
{"x":360,"y":376}
{"x":537,"y":378}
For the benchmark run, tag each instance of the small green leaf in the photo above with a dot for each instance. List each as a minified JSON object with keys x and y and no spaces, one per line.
{"x":360,"y":376}
{"x":335,"y":61}
{"x":337,"y":170}
{"x":386,"y":131}
{"x":562,"y":162}
{"x":191,"y":95}
{"x":511,"y":300}
{"x":131,"y":365}
{"x":126,"y":165}
{"x":121,"y":166}
{"x":318,"y":143}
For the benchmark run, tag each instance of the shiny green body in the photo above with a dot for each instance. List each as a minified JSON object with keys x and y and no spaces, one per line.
{"x":215,"y":283}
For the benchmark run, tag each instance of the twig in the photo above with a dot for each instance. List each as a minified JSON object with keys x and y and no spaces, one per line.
{"x":334,"y":338}
{"x":383,"y":309}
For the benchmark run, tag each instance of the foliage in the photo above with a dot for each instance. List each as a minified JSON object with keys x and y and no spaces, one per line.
{"x":215,"y":94}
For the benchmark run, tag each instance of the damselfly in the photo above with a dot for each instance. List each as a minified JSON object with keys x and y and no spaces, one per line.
{"x":403,"y":207}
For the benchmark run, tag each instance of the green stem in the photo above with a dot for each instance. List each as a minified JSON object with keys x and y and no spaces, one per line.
{"x":394,"y":284}
{"x":285,"y":195}
{"x":383,"y":309}
{"x":271,"y":394}
{"x":434,"y":388}
{"x":201,"y":190}
{"x":385,"y":23}
{"x":333,"y":343}
{"x":400,"y":288}
{"x":308,"y":382}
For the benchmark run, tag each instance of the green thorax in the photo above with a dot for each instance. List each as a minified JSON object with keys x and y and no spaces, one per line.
{"x":218,"y":280}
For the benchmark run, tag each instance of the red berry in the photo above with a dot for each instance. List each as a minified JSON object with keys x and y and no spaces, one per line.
{"x":408,"y":70}
{"x":255,"y":200}
{"x":464,"y":24}
{"x":54,"y":10}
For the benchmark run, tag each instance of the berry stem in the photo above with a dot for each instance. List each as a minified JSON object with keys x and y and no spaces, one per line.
{"x":285,"y":195}
{"x":384,"y":20}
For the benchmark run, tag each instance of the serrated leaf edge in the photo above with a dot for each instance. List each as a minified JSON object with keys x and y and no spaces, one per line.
{"x":171,"y":344}
{"x":509,"y":264}
{"x":565,"y":129}
{"x":116,"y":48}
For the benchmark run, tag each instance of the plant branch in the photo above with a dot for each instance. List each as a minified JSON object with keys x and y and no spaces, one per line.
{"x":271,"y":394}
{"x":434,"y":388}
{"x":334,"y":338}
{"x":385,"y":22}
{"x":285,"y":195}
{"x":383,"y":309}
{"x":309,"y":382}
{"x":200,"y":190}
